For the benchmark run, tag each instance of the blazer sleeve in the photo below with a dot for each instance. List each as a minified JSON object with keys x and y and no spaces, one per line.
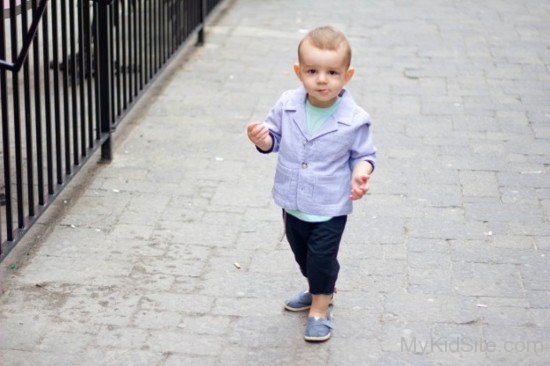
{"x":273,"y":121}
{"x":363,"y":148}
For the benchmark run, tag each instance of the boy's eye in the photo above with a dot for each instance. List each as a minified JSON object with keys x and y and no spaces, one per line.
{"x":311,"y":71}
{"x":333,"y":73}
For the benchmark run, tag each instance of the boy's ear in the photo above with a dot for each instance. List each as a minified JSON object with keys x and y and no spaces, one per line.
{"x":349,"y":74}
{"x":297,"y":70}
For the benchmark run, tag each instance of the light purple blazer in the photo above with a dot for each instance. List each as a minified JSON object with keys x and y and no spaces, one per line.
{"x":314,"y":171}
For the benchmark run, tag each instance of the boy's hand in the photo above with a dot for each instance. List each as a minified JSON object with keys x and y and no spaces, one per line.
{"x":258,"y":133}
{"x":359,"y":186}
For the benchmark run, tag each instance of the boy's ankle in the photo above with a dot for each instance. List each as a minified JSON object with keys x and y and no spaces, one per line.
{"x":318,"y":314}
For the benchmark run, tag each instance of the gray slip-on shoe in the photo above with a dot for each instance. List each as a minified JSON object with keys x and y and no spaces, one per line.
{"x":318,"y":329}
{"x":301,"y":301}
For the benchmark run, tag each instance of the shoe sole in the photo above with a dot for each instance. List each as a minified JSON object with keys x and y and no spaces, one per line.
{"x":297,"y":309}
{"x":317,"y":339}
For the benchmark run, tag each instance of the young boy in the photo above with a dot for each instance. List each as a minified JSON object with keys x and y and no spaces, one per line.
{"x":325,"y":160}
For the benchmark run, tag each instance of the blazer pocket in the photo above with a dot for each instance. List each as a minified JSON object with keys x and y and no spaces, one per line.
{"x":330,"y":190}
{"x":283,"y":180}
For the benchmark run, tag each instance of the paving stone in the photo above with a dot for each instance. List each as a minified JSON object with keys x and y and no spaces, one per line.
{"x":475,"y":183}
{"x":242,"y":283}
{"x":233,"y":355}
{"x":274,"y":331}
{"x":437,"y":195}
{"x":512,"y":242}
{"x":22,"y":332}
{"x":113,"y":356}
{"x":428,"y":259}
{"x":495,"y":211}
{"x":86,"y":269}
{"x":520,"y":344}
{"x":542,"y":243}
{"x":422,"y":245}
{"x":27,"y":298}
{"x":343,"y":352}
{"x":156,"y":319}
{"x":21,"y":358}
{"x":68,"y":343}
{"x":124,"y":337}
{"x":431,"y":307}
{"x":110,"y":306}
{"x":399,"y":335}
{"x":430,"y":281}
{"x":540,"y":317}
{"x":273,"y":355}
{"x":160,"y":341}
{"x":534,"y":273}
{"x":486,"y":279}
{"x":501,"y":315}
{"x":244,"y":306}
{"x":445,"y":229}
{"x":173,"y":302}
{"x":472,"y":251}
{"x":214,"y":325}
{"x":183,"y":359}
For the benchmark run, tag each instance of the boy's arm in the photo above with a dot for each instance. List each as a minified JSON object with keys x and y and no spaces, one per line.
{"x":362,"y":159}
{"x":267,"y":135}
{"x":360,"y":178}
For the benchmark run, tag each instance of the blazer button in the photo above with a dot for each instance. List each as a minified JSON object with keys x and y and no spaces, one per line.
{"x":304,"y":165}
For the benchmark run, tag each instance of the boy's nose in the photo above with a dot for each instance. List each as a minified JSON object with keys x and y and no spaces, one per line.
{"x":322,"y":77}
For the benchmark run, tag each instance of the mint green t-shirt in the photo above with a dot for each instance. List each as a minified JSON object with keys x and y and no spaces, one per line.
{"x":316,"y":118}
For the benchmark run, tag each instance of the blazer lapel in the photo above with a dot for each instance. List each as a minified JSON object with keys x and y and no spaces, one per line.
{"x":343,"y":114}
{"x":329,"y":126}
{"x":297,"y":105}
{"x":300,"y":120}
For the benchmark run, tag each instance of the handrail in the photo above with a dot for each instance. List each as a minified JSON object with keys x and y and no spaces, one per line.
{"x":16,"y":66}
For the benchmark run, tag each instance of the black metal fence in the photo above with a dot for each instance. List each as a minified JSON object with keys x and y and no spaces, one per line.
{"x":69,"y":71}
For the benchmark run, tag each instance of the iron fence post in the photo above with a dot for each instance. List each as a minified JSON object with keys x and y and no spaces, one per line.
{"x":200,"y":39}
{"x":102,"y":52}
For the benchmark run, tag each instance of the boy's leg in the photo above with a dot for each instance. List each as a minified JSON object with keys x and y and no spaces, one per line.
{"x":322,"y":263}
{"x":297,"y":233}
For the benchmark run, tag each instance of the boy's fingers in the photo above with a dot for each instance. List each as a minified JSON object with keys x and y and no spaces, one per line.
{"x":357,"y":193}
{"x":261,"y":130}
{"x":253,"y":126}
{"x":256,"y":132}
{"x":260,"y":135}
{"x":363,"y":179}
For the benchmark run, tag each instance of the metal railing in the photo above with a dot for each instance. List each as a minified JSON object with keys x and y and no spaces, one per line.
{"x":77,"y":67}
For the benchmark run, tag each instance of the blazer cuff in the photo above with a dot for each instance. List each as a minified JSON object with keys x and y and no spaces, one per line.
{"x":271,"y":148}
{"x":372,"y":164}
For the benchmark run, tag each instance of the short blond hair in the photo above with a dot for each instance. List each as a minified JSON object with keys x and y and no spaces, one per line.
{"x":327,"y":38}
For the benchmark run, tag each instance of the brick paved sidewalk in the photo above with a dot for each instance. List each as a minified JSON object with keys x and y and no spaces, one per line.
{"x":445,"y":262}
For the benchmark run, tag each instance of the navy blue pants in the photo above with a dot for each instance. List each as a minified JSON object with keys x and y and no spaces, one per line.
{"x":315,"y":246}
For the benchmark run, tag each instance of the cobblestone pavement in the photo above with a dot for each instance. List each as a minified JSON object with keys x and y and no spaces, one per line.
{"x":445,"y":262}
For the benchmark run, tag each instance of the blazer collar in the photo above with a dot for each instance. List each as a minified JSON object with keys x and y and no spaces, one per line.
{"x":344,"y":113}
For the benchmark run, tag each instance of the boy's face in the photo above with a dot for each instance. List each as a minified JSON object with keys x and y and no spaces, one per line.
{"x":323,"y":73}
